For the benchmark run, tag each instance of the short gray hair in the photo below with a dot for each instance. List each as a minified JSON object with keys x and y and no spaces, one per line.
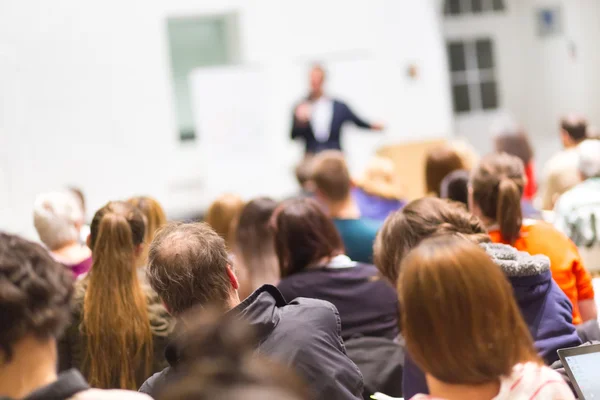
{"x":589,"y":158}
{"x":55,"y":217}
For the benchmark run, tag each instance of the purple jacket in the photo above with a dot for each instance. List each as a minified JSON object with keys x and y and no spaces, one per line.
{"x":375,"y":207}
{"x":545,"y":308}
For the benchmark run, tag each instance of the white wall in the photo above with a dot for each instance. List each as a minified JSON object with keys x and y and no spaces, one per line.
{"x":85,"y":96}
{"x":538,"y":79}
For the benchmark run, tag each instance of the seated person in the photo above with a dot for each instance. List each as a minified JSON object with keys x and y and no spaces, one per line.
{"x":378,"y":192}
{"x":222,"y":213}
{"x":577,"y":212}
{"x":497,"y":185}
{"x":58,"y":218}
{"x":545,"y":308}
{"x":439,"y":162}
{"x":469,"y":338}
{"x":455,"y":187}
{"x":332,"y":182}
{"x":189,"y":267}
{"x":35,"y":301}
{"x":219,"y":363}
{"x":313,"y":264}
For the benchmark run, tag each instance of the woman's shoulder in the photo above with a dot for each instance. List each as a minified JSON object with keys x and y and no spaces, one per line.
{"x":536,"y":381}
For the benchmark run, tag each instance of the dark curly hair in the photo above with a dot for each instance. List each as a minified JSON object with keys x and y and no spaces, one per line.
{"x":35,"y":293}
{"x":419,"y":220}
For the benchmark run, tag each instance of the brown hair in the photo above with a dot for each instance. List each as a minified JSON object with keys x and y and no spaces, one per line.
{"x":36,"y":294}
{"x":419,"y":220}
{"x":222,"y":213}
{"x":254,"y":244}
{"x":303,"y":235}
{"x":188,"y":266}
{"x":575,"y":126}
{"x":380,"y":179}
{"x":461,"y":322}
{"x":498,"y":183}
{"x":439,"y":162}
{"x":115,"y":316}
{"x":219,"y":362}
{"x":515,"y":143}
{"x":155,"y":218}
{"x":331,"y":176}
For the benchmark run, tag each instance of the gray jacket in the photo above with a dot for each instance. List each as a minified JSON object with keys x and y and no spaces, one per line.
{"x":304,"y":334}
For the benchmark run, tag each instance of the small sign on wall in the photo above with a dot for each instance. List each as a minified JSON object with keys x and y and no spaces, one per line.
{"x":549,"y":21}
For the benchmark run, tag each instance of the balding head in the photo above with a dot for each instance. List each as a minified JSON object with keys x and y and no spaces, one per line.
{"x":573,"y":129}
{"x":188,"y":266}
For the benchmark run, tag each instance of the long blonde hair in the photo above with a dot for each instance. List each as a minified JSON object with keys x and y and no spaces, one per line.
{"x":155,"y":218}
{"x":115,"y":316}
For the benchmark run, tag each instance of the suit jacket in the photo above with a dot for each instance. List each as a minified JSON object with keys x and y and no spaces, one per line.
{"x":341,"y":114}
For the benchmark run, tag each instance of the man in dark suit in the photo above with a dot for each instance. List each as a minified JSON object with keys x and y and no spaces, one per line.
{"x":318,"y":120}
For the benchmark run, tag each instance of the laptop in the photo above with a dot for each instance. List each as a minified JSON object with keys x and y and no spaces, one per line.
{"x":582,"y":364}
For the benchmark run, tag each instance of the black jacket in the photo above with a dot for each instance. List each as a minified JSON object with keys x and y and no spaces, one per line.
{"x":304,"y":334}
{"x":341,"y":114}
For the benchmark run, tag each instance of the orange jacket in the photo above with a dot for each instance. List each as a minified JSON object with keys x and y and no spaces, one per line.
{"x":567,"y":269}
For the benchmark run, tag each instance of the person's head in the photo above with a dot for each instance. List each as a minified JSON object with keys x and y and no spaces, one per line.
{"x":58,"y":218}
{"x":303,"y":173}
{"x":119,"y":342}
{"x":304,"y":236}
{"x":573,"y":130}
{"x":254,"y":247}
{"x":155,"y":218}
{"x":380,"y":179}
{"x":317,"y":79}
{"x":496,"y":188}
{"x":78,"y":193}
{"x":439,"y":162}
{"x":516,"y":143}
{"x":331,"y":177}
{"x":219,"y":362}
{"x":455,"y":186}
{"x":222,"y":213}
{"x":419,"y":220}
{"x":461,"y":321}
{"x":589,"y":158}
{"x":35,"y":296}
{"x":189,"y":266}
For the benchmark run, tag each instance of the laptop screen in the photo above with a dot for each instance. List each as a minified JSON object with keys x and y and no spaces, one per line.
{"x":584,"y":368}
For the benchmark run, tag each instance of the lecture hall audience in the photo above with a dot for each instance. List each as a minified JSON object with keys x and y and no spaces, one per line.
{"x":497,"y":185}
{"x":58,"y":218}
{"x":119,"y":327}
{"x":470,"y":338}
{"x":333,"y":185}
{"x":545,"y":308}
{"x":190,"y":267}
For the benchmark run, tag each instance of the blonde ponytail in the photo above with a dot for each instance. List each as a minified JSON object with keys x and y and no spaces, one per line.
{"x":508,"y":210}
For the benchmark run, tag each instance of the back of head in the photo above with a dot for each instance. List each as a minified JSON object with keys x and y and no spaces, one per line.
{"x":516,"y":143}
{"x":188,"y":267}
{"x":218,"y":360}
{"x":57,"y":217}
{"x":330,"y":176}
{"x":222,"y":213}
{"x":589,"y":158}
{"x":575,"y":127}
{"x":303,"y":172}
{"x":380,"y":179}
{"x":461,"y":322}
{"x":254,"y":242}
{"x":119,"y":342}
{"x":498,"y":183}
{"x":455,"y":186}
{"x":439,"y":162}
{"x":304,"y":235}
{"x":35,"y":294}
{"x":154,"y":213}
{"x":419,"y":220}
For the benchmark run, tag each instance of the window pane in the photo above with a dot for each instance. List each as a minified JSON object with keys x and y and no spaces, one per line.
{"x":460,"y":95}
{"x":498,"y":5}
{"x":485,"y":58}
{"x":456,"y":56}
{"x":489,"y":97}
{"x":453,"y":7}
{"x":476,"y":6}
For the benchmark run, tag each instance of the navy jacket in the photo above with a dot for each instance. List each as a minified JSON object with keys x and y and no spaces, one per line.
{"x":303,"y":334}
{"x":546,"y":309}
{"x":341,"y":114}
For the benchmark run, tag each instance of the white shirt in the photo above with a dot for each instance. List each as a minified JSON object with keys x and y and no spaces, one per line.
{"x":320,"y":118}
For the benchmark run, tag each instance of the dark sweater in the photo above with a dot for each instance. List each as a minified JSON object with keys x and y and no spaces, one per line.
{"x":368,"y":305}
{"x":544,"y":306}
